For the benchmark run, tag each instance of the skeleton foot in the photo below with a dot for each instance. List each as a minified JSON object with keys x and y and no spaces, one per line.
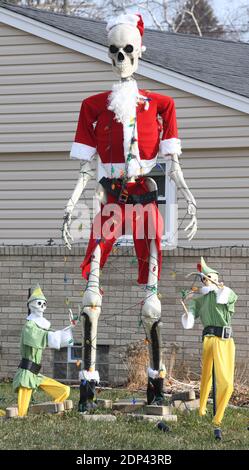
{"x":155,"y":391}
{"x":88,"y":382}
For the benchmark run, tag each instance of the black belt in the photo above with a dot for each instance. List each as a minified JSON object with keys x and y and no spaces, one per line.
{"x":30,"y":365}
{"x":224,"y":332}
{"x":121,"y":195}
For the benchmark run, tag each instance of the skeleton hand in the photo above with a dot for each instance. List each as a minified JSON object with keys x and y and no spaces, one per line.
{"x":66,"y":235}
{"x":177,"y":176}
{"x":192,"y":226}
{"x":86,"y":173}
{"x":74,"y":319}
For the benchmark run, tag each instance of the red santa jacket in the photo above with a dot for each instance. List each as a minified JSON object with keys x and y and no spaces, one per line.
{"x":98,"y":131}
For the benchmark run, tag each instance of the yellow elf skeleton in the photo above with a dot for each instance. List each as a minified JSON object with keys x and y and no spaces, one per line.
{"x":214,"y":307}
{"x":36,"y":337}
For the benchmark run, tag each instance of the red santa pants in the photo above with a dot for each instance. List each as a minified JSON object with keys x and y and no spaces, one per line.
{"x":115,"y":219}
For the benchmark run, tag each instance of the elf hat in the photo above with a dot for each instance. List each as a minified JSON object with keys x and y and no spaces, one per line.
{"x":36,"y":294}
{"x":203,"y":268}
{"x":129,"y":19}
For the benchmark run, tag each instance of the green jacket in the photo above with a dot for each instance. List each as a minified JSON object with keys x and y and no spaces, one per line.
{"x":33,"y":340}
{"x":212,"y":313}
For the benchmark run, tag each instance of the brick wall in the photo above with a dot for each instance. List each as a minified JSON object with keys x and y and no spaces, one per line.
{"x":22,"y":266}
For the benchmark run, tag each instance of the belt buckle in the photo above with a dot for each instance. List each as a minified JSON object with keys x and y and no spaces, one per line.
{"x":123,"y":196}
{"x":226,"y":332}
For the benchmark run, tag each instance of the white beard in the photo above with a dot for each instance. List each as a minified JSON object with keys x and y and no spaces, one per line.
{"x":123,"y":100}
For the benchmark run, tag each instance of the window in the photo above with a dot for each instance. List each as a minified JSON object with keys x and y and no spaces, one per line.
{"x":166,"y":192}
{"x":67,"y":363}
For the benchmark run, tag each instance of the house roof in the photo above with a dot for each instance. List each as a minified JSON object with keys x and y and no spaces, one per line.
{"x":223,"y":64}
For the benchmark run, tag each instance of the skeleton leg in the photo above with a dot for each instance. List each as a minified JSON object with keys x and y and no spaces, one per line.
{"x":91,"y":309}
{"x":151,"y":317}
{"x":92,"y":301}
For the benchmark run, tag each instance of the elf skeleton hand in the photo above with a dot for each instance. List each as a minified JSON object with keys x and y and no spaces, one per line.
{"x":177,"y":176}
{"x":86,"y":173}
{"x":73,"y":318}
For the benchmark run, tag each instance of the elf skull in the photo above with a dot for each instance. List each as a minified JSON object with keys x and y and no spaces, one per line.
{"x":213,"y":277}
{"x":37,"y":307}
{"x":124,"y":42}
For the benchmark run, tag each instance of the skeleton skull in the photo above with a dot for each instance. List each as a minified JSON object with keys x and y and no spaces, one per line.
{"x":213,"y":277}
{"x":37,"y":307}
{"x":125,"y":48}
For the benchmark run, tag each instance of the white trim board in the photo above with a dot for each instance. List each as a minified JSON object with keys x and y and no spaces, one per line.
{"x":146,"y":69}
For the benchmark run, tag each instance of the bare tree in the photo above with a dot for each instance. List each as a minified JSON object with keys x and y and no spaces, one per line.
{"x":197,"y":17}
{"x":178,"y":16}
{"x":183,"y":16}
{"x":236,"y":23}
{"x":59,"y":6}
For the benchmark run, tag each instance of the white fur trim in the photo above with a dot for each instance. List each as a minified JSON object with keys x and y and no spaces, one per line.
{"x":60,"y":338}
{"x":144,"y":168}
{"x":188,"y":320}
{"x":170,"y":147}
{"x":89,"y":375}
{"x":129,"y":19}
{"x":153,"y":374}
{"x":123,"y":100}
{"x":82,"y":151}
{"x":54,"y":339}
{"x":66,"y":337}
{"x":206,"y":289}
{"x":222,"y":295}
{"x":40,"y":321}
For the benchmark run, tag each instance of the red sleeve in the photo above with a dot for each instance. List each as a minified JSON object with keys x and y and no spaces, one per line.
{"x":87,"y":117}
{"x":84,"y":146}
{"x":166,"y":109}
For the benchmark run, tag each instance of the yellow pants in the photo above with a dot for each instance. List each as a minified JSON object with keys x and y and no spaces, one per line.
{"x":57,"y":390}
{"x":221,"y":352}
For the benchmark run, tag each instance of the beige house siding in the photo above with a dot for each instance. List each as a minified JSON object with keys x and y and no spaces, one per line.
{"x":42,"y":85}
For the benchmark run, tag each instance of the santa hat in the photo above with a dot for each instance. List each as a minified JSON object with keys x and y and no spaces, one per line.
{"x":36,"y":294}
{"x":203,"y":268}
{"x":130,"y":19}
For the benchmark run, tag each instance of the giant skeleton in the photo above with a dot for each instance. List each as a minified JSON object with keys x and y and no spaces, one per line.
{"x":127,"y":127}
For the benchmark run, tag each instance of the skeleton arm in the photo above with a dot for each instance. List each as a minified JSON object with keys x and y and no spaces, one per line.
{"x":177,"y":176}
{"x":86,"y":173}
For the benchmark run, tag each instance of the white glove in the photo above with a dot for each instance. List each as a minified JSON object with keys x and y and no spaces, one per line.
{"x":188,"y":320}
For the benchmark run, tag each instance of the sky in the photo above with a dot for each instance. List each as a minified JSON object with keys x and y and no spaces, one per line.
{"x":221,"y":6}
{"x":222,"y":9}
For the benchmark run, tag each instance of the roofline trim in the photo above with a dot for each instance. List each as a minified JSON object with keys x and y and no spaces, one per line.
{"x":196,"y":87}
{"x":154,"y":72}
{"x":53,"y":34}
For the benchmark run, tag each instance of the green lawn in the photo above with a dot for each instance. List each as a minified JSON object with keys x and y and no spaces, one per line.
{"x":69,"y":431}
